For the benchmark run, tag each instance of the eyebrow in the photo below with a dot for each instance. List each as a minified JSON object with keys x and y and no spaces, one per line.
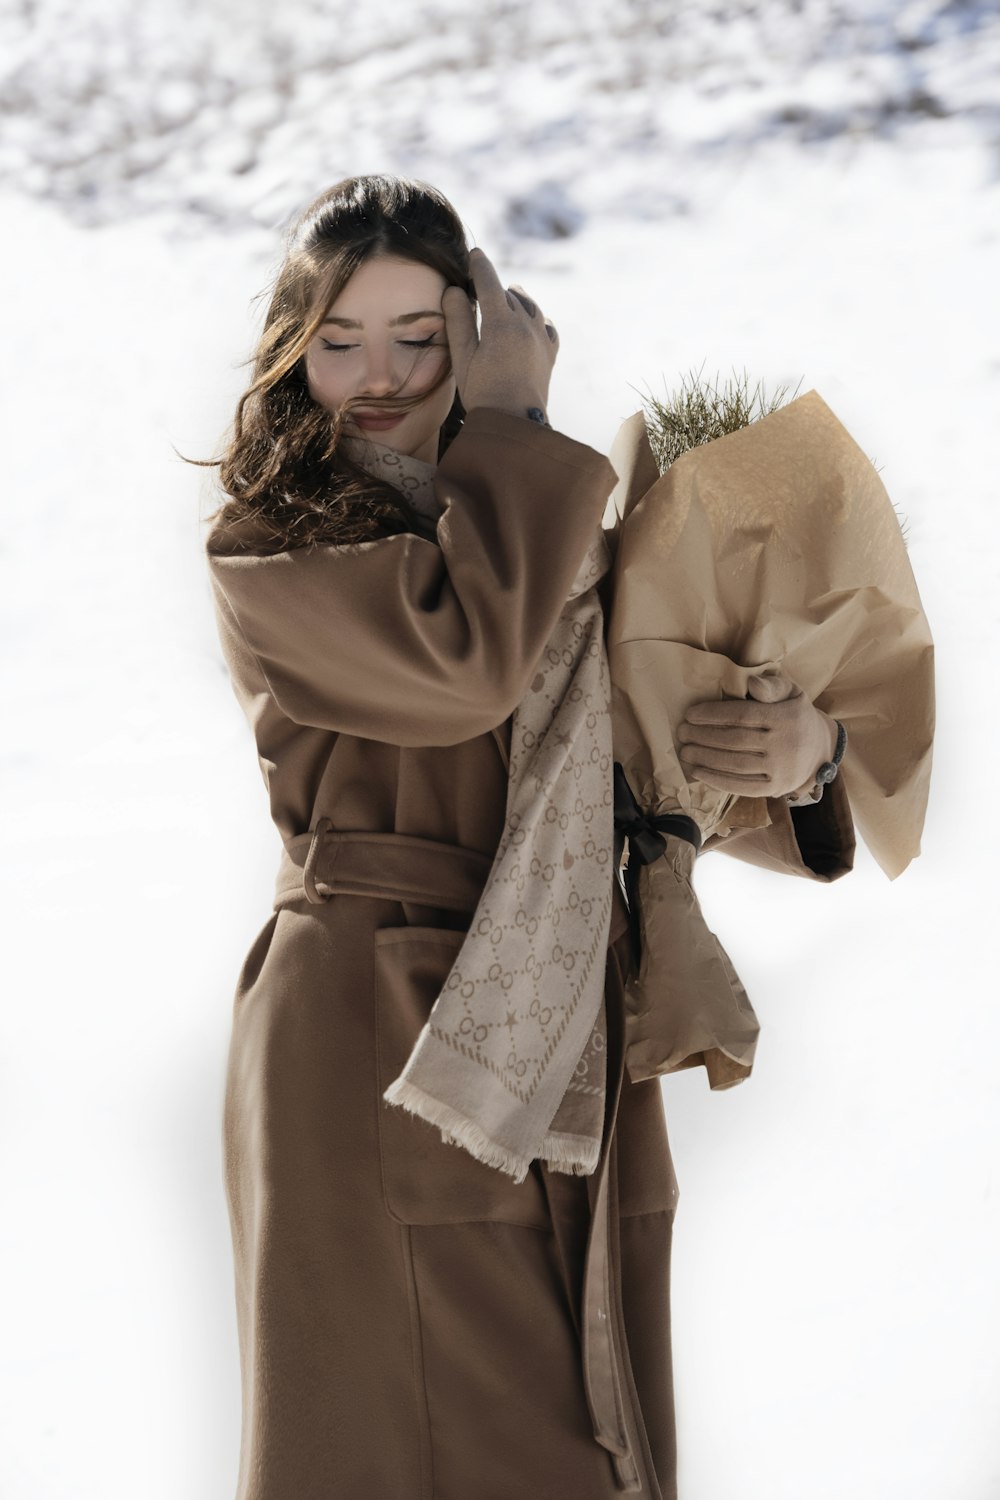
{"x":406,"y":318}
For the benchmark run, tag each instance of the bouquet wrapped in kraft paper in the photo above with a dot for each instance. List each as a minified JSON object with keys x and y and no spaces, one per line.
{"x":772,"y":549}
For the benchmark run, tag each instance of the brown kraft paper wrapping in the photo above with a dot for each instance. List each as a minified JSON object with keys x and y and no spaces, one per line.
{"x":773,"y":548}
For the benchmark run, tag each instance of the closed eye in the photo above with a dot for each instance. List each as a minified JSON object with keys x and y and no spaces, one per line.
{"x":427,"y":343}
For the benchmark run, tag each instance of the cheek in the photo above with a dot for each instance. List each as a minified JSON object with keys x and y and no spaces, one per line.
{"x":312,"y":380}
{"x":443,"y":397}
{"x":321,"y":377}
{"x":439,"y":405}
{"x":429,"y":370}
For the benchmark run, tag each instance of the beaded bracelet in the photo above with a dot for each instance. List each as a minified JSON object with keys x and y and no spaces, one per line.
{"x":826,"y":773}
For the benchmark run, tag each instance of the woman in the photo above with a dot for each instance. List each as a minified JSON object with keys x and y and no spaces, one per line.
{"x":401,"y":533}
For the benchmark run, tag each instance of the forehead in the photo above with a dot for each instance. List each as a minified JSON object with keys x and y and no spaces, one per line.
{"x":386,"y":286}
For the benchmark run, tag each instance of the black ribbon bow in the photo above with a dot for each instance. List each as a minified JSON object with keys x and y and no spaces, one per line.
{"x":645,"y":845}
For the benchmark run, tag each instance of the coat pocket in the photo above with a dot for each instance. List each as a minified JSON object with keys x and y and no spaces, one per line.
{"x":426,"y":1180}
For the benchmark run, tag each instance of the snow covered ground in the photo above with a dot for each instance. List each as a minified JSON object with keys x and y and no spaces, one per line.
{"x":805,"y":190}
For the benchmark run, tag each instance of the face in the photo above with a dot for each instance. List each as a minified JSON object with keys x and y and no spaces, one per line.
{"x":385,"y":335}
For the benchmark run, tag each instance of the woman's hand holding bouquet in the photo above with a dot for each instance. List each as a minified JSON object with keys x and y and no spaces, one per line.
{"x":767,"y":745}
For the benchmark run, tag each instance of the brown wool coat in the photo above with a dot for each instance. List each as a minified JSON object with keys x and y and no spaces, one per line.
{"x":414,"y":1325}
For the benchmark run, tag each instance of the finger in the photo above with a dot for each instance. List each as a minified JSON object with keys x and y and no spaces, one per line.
{"x":530,"y":306}
{"x":772,"y":687}
{"x":741,"y":713}
{"x":457,"y":304}
{"x":724,"y":737}
{"x":460,"y":325}
{"x":739,"y":786}
{"x":747,"y":768}
{"x":491,"y":295}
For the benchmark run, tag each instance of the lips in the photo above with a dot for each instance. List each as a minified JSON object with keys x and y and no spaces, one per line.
{"x":377,"y":418}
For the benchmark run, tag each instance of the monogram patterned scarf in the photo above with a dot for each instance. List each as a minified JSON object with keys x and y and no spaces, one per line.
{"x":527,"y":1078}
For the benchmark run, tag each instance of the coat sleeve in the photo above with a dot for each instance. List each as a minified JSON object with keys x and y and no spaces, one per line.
{"x":417,"y":642}
{"x":816,"y":841}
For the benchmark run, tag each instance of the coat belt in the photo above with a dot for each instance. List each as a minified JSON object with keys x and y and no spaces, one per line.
{"x":332,"y":861}
{"x":329,"y":861}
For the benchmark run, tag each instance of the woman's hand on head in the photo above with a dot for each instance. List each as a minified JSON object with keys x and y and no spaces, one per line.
{"x":767,"y":745}
{"x":508,"y":362}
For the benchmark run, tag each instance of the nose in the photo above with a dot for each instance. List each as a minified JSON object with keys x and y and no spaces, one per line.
{"x":380,"y":377}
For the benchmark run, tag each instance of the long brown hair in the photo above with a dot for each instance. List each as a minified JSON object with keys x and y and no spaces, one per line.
{"x":287,"y":480}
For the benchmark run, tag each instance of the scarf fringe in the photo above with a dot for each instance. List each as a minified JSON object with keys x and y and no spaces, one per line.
{"x":574,"y":1154}
{"x":456,"y":1129}
{"x":577,"y":1155}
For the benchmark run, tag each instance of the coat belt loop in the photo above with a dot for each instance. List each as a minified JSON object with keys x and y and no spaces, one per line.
{"x":309,"y":868}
